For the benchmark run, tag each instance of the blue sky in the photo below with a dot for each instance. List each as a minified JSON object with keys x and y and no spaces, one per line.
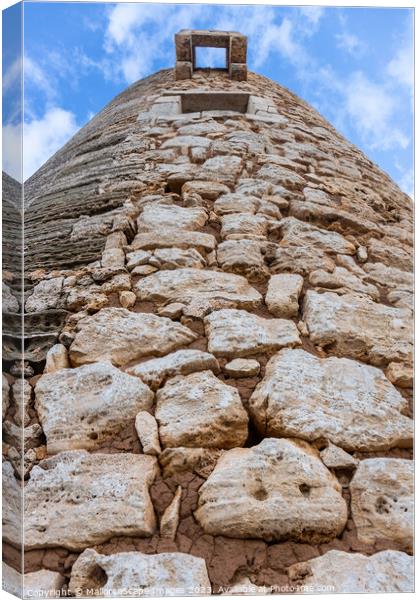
{"x":355,"y":65}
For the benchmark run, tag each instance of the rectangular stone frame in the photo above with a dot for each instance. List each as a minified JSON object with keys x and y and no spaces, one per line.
{"x":187,"y":40}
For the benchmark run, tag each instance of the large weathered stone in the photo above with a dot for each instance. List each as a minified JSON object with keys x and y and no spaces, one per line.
{"x":237,"y":333}
{"x":82,"y":407}
{"x":57,"y":358}
{"x":209,"y":289}
{"x":351,"y":573}
{"x":281,"y":176}
{"x":44,"y":584}
{"x":244,"y":226}
{"x":182,"y":362}
{"x":177,"y":258}
{"x":244,"y":257}
{"x":343,"y":282}
{"x":147,"y":575}
{"x":121,"y":336}
{"x":46,"y":294}
{"x":66,"y":493}
{"x":155,"y":216}
{"x":301,"y":260}
{"x":277,"y":490}
{"x":199,"y":410}
{"x":172,"y":237}
{"x":283,"y":293}
{"x":357,"y":327}
{"x":382,"y":501}
{"x":298,"y":233}
{"x":336,"y":399}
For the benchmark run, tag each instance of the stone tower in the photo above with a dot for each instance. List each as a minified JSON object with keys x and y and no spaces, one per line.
{"x":219,"y":347}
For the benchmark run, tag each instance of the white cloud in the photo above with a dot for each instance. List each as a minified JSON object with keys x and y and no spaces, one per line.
{"x":350,"y":43}
{"x":12,"y":75}
{"x":312,"y":13}
{"x":42,"y":138}
{"x":371,"y":107}
{"x":34,"y":74}
{"x":401,"y":67}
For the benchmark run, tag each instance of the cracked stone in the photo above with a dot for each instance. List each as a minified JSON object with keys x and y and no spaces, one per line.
{"x":283,"y":293}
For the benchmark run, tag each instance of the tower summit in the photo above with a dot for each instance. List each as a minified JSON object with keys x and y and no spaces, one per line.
{"x":218,"y":374}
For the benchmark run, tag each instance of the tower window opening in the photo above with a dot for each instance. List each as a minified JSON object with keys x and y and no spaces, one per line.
{"x":210,"y":58}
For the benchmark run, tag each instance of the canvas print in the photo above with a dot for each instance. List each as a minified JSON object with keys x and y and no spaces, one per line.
{"x":207,"y":299}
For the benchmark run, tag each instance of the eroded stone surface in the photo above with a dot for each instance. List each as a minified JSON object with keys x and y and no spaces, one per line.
{"x":359,"y":328}
{"x":57,"y":358}
{"x":175,"y":573}
{"x":277,"y":490}
{"x":382,"y":501}
{"x":155,"y":216}
{"x":352,"y":573}
{"x":196,"y":460}
{"x":283,"y":293}
{"x":242,"y":367}
{"x":336,"y":399}
{"x":200,"y":411}
{"x":82,"y":407}
{"x":65,"y":494}
{"x":205,"y":288}
{"x":182,"y":362}
{"x":121,"y":336}
{"x":237,"y":333}
{"x":147,"y":430}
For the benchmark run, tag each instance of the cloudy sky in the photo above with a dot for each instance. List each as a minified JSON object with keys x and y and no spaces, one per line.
{"x":354,"y":65}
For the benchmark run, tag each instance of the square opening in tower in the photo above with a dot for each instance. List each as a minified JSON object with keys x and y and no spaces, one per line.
{"x":210,"y":58}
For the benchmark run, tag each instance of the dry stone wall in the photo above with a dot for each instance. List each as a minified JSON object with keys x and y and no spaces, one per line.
{"x":229,"y":398}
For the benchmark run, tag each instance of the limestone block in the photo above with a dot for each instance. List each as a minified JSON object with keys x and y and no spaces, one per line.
{"x":10,"y":303}
{"x":5,"y":395}
{"x":177,"y":258}
{"x":148,"y":575}
{"x":209,"y":288}
{"x":22,"y":398}
{"x":66,"y":493}
{"x":186,"y":141}
{"x":209,"y":190}
{"x":237,"y":333}
{"x":382,"y":501}
{"x":57,"y":358}
{"x":281,"y":176}
{"x":82,"y":407}
{"x":298,"y":233}
{"x":204,"y":128}
{"x":244,"y":226}
{"x":242,"y":367}
{"x":200,"y":461}
{"x":282,"y":298}
{"x":46,"y":294}
{"x":127,"y":299}
{"x":389,"y":276}
{"x":147,"y":430}
{"x":43,"y":584}
{"x":343,"y":282}
{"x":183,"y":70}
{"x":200,"y":411}
{"x":346,"y":402}
{"x":173,"y":310}
{"x":236,"y":203}
{"x":121,"y":336}
{"x":156,"y":216}
{"x":358,"y":328}
{"x":278,"y":490}
{"x":301,"y":260}
{"x":389,"y":253}
{"x":143,"y":270}
{"x":353,"y":573}
{"x":12,"y":517}
{"x":139,"y":257}
{"x":172,"y":237}
{"x":335,"y":457}
{"x":113,"y":257}
{"x":182,"y":362}
{"x":170,"y":518}
{"x":400,"y":375}
{"x":244,"y":257}
{"x":223,"y":168}
{"x":250,"y":141}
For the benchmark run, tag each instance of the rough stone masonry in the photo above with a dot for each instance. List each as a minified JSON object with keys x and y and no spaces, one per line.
{"x":217,"y":386}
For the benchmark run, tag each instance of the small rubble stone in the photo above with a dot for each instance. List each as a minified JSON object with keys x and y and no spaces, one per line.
{"x":143,"y":270}
{"x":337,"y":399}
{"x":65,"y":494}
{"x":283,"y":293}
{"x":199,"y":410}
{"x":334,"y":457}
{"x":121,"y":336}
{"x":176,"y":573}
{"x":127,"y":299}
{"x":182,"y":362}
{"x":170,"y":518}
{"x":242,"y":367}
{"x":57,"y":358}
{"x":382,"y":501}
{"x":352,"y":573}
{"x":81,"y":407}
{"x":238,"y":333}
{"x":172,"y":311}
{"x":147,"y":430}
{"x":400,"y":375}
{"x":277,"y":490}
{"x":195,"y":460}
